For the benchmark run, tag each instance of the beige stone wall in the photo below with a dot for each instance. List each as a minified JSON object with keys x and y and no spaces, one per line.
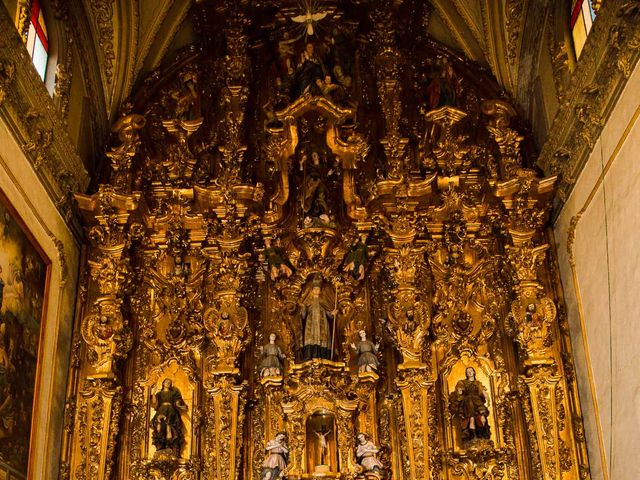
{"x":21,"y":185}
{"x":598,"y":241}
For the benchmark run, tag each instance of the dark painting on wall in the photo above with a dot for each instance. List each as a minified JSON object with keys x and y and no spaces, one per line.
{"x":23,"y":277}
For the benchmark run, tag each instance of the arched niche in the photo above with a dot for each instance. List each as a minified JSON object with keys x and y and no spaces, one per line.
{"x":481,"y":392}
{"x":321,"y":443}
{"x":184,"y":382}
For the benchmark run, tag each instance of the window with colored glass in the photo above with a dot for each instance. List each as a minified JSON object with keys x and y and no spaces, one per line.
{"x":582,"y":17}
{"x":37,"y":40}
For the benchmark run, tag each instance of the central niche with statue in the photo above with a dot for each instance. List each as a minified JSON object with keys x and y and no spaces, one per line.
{"x":320,"y":254}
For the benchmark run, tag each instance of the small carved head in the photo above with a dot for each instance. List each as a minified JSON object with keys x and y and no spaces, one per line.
{"x":362,"y":438}
{"x":167,"y":383}
{"x":470,"y":373}
{"x":272,"y":338}
{"x":531,"y":308}
{"x":363,"y":334}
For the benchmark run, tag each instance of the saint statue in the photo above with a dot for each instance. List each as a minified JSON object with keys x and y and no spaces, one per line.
{"x":356,"y":259}
{"x":277,"y":262}
{"x":275,"y":464}
{"x":272,"y":357}
{"x":314,"y":202}
{"x":309,"y":70}
{"x":316,"y":314}
{"x":366,"y":454}
{"x":468,"y":404}
{"x":366,"y":351}
{"x":167,"y":424}
{"x":442,"y":89}
{"x":187,"y":98}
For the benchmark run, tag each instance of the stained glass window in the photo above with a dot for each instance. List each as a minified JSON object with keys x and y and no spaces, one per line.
{"x":582,"y":17}
{"x":37,"y":40}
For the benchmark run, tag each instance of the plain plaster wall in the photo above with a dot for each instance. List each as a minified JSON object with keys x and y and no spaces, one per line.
{"x":601,"y":289}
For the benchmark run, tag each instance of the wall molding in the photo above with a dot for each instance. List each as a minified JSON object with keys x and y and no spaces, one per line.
{"x":35,"y":123}
{"x":605,"y":65}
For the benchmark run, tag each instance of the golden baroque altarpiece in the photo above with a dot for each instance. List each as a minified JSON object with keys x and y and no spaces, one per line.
{"x":320,"y":252}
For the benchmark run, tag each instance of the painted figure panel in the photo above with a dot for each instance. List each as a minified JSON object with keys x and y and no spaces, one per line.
{"x":22,"y":292}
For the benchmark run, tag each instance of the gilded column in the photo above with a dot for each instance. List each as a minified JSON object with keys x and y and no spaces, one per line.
{"x":106,"y":334}
{"x":532,"y":321}
{"x":409,"y":320}
{"x":226,"y":322}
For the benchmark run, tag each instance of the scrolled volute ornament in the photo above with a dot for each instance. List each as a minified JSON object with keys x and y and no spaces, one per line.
{"x":409,"y":321}
{"x":121,"y":157}
{"x":508,"y":139}
{"x":107,"y":337}
{"x":226,"y":323}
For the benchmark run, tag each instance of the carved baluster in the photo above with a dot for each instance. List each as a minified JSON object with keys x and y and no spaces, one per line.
{"x":234,"y":93}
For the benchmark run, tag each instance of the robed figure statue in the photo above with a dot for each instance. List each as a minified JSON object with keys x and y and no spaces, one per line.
{"x":468,"y":403}
{"x":317,"y":313}
{"x":167,"y":424}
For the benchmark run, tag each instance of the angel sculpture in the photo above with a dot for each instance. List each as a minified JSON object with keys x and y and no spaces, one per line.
{"x":275,"y":464}
{"x":277,"y":262}
{"x":366,"y":454}
{"x":272,"y":356}
{"x":355,"y":260}
{"x":366,"y":351}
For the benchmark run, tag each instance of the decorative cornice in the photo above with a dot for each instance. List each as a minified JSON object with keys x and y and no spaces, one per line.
{"x":35,"y":123}
{"x":605,"y":65}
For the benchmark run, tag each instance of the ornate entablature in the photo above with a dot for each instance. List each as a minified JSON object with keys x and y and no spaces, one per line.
{"x":320,"y":253}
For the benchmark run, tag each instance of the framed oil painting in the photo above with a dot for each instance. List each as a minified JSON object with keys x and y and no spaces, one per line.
{"x":23,"y":291}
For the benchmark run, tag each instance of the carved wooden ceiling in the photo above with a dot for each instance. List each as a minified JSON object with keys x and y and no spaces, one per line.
{"x":134,"y":37}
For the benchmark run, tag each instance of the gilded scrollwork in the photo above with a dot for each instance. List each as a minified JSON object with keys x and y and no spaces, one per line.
{"x":324,"y":262}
